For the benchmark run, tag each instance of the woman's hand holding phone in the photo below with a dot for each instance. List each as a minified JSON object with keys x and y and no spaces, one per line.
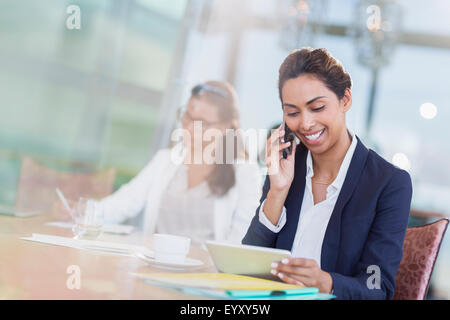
{"x":281,"y":173}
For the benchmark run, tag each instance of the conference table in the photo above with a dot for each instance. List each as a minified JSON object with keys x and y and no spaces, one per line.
{"x":32,"y":270}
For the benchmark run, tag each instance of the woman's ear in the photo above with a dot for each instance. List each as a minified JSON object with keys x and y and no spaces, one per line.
{"x":346,"y":100}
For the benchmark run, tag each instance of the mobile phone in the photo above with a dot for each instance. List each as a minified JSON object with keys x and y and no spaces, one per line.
{"x":288,"y":136}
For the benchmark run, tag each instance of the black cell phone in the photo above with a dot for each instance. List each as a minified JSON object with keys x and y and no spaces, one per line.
{"x":288,"y":136}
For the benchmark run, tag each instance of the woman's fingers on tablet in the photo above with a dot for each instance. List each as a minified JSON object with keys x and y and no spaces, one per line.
{"x":299,"y":262}
{"x":285,"y":269}
{"x":291,"y":279}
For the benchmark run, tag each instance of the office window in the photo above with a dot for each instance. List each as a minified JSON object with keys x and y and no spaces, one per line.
{"x":82,"y":99}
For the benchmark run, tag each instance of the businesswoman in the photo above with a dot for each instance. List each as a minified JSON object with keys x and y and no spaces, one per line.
{"x":340,"y":208}
{"x":181,"y":191}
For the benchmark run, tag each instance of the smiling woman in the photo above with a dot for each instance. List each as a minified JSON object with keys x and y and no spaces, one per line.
{"x":318,"y":118}
{"x":339,"y":207}
{"x":317,"y":94}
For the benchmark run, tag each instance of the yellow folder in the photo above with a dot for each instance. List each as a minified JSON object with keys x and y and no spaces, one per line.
{"x":215,"y":281}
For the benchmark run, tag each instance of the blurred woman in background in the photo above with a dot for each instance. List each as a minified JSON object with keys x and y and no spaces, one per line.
{"x":200,"y":199}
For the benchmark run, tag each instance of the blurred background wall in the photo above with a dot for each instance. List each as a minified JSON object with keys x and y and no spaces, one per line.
{"x":106,"y":94}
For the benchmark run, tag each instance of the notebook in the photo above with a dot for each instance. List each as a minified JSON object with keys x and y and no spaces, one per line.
{"x":230,"y":286}
{"x":216,"y":281}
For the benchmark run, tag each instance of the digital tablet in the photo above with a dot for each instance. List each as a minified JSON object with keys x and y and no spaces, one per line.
{"x":244,"y":259}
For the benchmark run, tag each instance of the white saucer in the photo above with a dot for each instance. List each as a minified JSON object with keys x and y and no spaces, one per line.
{"x":186,"y":264}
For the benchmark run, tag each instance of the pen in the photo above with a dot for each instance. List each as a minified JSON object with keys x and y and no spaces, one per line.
{"x":63,"y":199}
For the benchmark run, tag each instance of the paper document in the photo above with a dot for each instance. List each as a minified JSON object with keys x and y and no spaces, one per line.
{"x":103,"y":246}
{"x":231,"y":286}
{"x":108,"y":228}
{"x":217,"y":294}
{"x":216,"y":281}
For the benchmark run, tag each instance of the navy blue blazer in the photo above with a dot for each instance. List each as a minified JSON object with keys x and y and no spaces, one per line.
{"x":367,"y":226}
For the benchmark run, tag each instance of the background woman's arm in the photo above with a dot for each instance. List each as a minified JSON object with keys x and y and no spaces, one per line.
{"x":131,"y":197}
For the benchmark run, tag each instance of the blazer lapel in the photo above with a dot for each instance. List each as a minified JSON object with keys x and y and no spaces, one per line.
{"x":294,"y":200}
{"x":330,"y":245}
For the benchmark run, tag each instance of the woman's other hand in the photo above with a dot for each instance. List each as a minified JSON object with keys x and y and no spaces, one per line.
{"x":281,"y":174}
{"x":280,"y":170}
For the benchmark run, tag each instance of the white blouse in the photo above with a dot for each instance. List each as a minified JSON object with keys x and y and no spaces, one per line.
{"x":232,"y":212}
{"x":313,"y":220}
{"x":187,"y":211}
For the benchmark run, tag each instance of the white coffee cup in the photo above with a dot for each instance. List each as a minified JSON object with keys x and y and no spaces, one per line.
{"x":170,"y":248}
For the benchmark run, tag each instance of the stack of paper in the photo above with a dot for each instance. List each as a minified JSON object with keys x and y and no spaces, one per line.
{"x":108,"y":228}
{"x":231,"y":286}
{"x":103,"y":246}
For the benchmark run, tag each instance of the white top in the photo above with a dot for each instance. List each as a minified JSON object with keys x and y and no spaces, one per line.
{"x":232,"y":212}
{"x":313,"y":219}
{"x":187,"y":211}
